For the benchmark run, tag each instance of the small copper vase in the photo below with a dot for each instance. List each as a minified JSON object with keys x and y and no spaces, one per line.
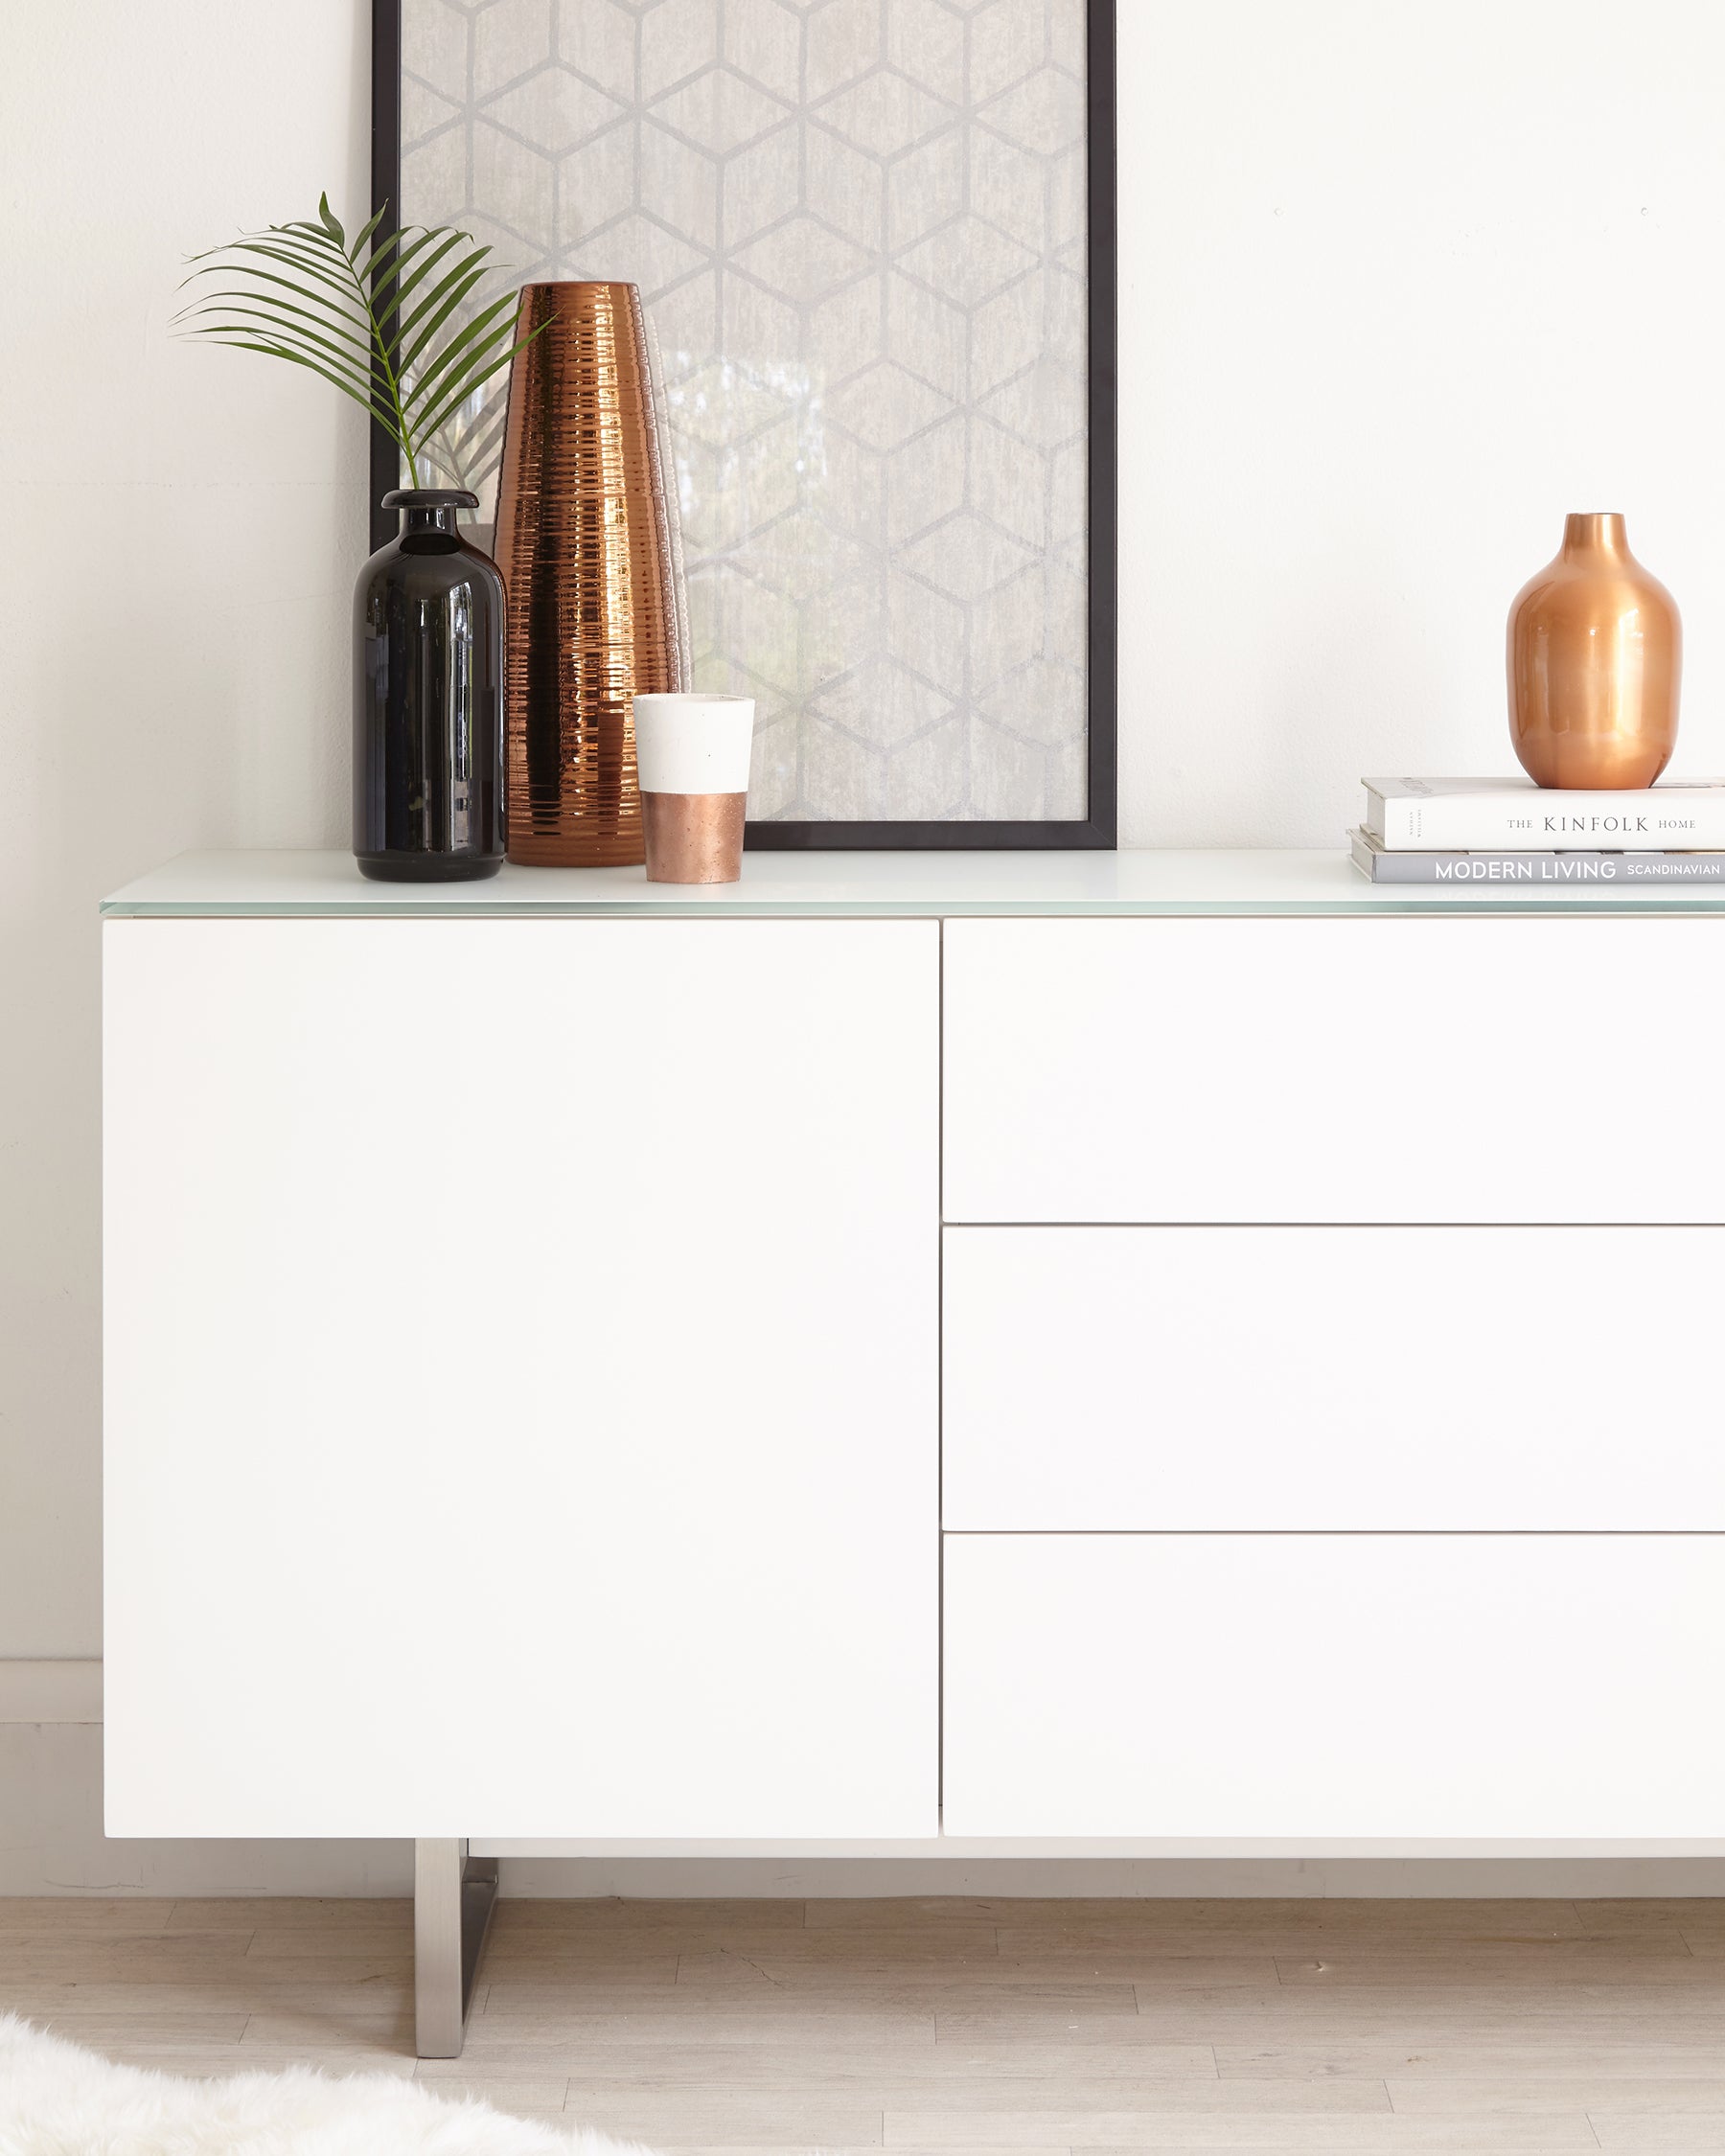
{"x":1596,"y":651}
{"x":582,"y":543}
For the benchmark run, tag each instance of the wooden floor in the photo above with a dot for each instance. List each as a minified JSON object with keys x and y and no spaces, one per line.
{"x":954,"y":2025}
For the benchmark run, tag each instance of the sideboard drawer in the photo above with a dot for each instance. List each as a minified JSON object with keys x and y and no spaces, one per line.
{"x":1406,"y":1378}
{"x":1322,"y":1688}
{"x":1491,"y":1067}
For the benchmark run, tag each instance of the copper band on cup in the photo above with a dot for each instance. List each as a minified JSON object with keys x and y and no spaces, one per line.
{"x":693,"y":837}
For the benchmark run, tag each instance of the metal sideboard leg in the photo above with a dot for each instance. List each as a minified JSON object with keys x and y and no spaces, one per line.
{"x":452,"y":1899}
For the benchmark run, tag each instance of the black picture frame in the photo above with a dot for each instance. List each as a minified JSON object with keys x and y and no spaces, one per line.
{"x":1097,"y":829}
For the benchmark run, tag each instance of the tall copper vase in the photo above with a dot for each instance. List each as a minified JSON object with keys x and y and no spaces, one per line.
{"x":582,"y":546}
{"x":1596,"y":652}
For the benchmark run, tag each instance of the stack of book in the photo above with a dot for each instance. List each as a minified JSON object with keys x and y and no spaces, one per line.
{"x":1510,"y":831}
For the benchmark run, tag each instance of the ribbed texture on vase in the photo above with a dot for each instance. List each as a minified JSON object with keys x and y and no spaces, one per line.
{"x":581,"y":544}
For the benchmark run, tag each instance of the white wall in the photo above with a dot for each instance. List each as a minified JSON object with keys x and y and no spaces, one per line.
{"x":1402,"y":283}
{"x":182,"y":528}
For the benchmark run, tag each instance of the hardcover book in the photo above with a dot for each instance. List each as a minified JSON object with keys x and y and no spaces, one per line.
{"x":1383,"y":865}
{"x":1474,"y":816}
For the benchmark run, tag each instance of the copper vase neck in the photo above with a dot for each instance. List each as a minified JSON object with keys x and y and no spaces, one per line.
{"x":1596,"y":532}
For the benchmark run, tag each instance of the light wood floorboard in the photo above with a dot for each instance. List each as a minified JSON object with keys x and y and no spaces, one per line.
{"x":957,"y":2028}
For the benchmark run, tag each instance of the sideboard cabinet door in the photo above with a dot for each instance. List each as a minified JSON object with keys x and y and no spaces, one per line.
{"x":521,"y":1377}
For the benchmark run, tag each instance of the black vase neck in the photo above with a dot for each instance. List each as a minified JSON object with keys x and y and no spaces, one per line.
{"x":431,"y":509}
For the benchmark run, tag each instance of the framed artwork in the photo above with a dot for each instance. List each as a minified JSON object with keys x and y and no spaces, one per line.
{"x":876,"y":241}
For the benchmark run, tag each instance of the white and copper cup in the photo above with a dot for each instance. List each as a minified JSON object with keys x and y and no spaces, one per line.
{"x":692,"y":753}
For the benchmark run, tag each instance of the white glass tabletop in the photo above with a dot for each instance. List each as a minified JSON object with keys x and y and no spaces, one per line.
{"x":925,"y":884}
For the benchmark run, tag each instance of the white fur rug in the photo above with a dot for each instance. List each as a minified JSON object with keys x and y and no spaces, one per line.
{"x":58,"y":2099}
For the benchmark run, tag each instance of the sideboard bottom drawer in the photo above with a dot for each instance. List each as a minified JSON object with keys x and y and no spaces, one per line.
{"x":1331,"y":1687}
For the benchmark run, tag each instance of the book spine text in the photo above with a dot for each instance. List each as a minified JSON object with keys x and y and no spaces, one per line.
{"x":1509,"y":824}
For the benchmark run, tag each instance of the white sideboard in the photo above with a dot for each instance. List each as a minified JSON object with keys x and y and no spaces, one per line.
{"x":531,"y":1347}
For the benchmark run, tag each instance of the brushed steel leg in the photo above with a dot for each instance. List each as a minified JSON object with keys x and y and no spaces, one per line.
{"x":452,"y":1899}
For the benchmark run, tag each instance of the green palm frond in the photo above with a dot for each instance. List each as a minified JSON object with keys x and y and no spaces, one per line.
{"x":383,"y":319}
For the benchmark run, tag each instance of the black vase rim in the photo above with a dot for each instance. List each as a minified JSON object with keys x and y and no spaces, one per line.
{"x":430,"y":498}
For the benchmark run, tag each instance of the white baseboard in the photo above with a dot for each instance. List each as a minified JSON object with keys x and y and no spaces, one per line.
{"x":1050,"y":1852}
{"x":49,"y":1691}
{"x":1102,"y":1878}
{"x":52,"y":1843}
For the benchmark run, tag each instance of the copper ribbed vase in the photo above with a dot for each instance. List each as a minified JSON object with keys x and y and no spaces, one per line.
{"x":582,"y":543}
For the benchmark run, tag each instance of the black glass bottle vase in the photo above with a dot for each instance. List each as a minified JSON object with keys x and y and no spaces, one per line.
{"x":428,"y":699}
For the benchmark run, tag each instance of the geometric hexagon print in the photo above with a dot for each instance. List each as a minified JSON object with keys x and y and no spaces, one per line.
{"x":859,"y":229}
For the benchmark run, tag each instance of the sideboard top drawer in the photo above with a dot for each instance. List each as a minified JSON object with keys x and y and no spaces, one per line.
{"x":1483,"y":1069}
